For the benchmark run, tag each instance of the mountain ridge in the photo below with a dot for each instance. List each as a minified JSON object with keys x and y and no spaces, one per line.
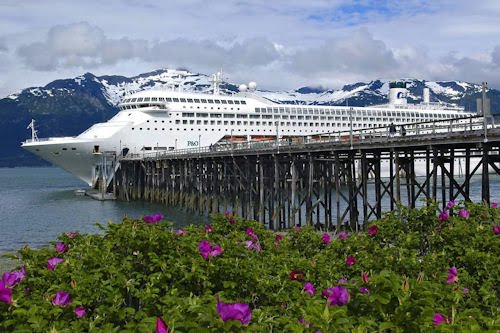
{"x":67,"y":107}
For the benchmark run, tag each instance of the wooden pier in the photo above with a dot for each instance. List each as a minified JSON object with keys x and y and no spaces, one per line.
{"x":341,"y":179}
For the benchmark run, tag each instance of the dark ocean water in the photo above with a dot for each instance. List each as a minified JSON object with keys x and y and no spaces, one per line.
{"x":38,"y":204}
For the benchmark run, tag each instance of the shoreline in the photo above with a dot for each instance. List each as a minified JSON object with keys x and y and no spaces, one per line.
{"x":8,"y":264}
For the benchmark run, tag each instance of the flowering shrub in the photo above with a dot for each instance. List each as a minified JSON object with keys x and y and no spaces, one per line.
{"x":411,"y":271}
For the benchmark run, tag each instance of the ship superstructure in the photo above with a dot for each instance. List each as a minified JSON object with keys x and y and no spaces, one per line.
{"x":159,"y":120}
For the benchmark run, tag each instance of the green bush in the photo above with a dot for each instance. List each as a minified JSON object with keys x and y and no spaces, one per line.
{"x":139,"y":270}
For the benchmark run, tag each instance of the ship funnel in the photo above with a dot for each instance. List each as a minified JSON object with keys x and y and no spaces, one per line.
{"x":427,"y":95}
{"x":397,"y":93}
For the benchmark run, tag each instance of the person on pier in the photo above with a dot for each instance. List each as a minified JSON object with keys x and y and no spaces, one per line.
{"x":392,"y":130}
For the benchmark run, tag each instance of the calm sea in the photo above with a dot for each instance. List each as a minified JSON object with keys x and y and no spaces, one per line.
{"x":38,"y":204}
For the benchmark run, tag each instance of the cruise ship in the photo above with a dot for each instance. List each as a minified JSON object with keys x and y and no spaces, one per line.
{"x":161,"y":120}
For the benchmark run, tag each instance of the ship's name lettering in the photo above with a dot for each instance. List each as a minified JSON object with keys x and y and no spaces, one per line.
{"x":192,"y":143}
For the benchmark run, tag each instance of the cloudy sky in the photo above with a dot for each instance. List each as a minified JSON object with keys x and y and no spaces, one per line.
{"x":281,"y":44}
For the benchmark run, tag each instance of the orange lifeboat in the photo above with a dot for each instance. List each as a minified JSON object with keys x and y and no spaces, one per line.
{"x":262,"y":138}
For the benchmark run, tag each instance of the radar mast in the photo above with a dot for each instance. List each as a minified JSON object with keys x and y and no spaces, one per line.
{"x":216,"y":81}
{"x":34,"y":136}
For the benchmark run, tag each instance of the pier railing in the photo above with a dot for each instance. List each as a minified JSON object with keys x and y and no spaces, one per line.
{"x":352,"y":138}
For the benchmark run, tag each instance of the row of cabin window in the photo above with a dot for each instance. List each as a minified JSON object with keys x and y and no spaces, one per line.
{"x":161,"y":106}
{"x":291,"y":117}
{"x":184,"y":100}
{"x":342,"y":119}
{"x":355,"y":112}
{"x":239,"y":130}
{"x":264,"y":123}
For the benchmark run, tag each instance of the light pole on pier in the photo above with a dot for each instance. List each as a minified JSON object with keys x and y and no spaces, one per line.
{"x":484,"y":112}
{"x":350,"y":125}
{"x":277,"y":135}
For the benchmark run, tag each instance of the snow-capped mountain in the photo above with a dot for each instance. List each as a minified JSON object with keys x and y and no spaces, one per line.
{"x":69,"y":106}
{"x":114,"y":88}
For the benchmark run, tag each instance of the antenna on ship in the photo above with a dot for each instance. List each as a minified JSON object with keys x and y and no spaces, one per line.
{"x":216,"y":81}
{"x":178,"y":82}
{"x":34,"y":136}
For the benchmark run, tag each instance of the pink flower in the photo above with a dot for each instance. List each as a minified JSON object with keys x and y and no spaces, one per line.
{"x":279,"y":237}
{"x":337,"y":295}
{"x":161,"y":326}
{"x":62,"y":298}
{"x":450,"y":204}
{"x":53,"y":262}
{"x":465,"y":291}
{"x":151,"y":219}
{"x":309,"y":288}
{"x":350,"y":261}
{"x":208,"y":228}
{"x":438,"y":319}
{"x":276,"y":245}
{"x":444,"y":216}
{"x":216,"y":250}
{"x":326,"y":238}
{"x":232,"y":220}
{"x":296,"y":275}
{"x":249,"y":231}
{"x":71,"y":234}
{"x":364,"y":276}
{"x":253,"y":245}
{"x":373,"y":230}
{"x":204,"y":248}
{"x":364,"y":290}
{"x":494,"y":205}
{"x":464,"y":213}
{"x":305,"y":323}
{"x":179,"y":232}
{"x":234,"y":311}
{"x":5,"y":295}
{"x":228,"y":213}
{"x":208,"y":250}
{"x":61,"y":247}
{"x":5,"y":292}
{"x":10,"y":279}
{"x":80,"y":312}
{"x":343,"y":235}
{"x":452,"y":275}
{"x":296,"y":229}
{"x":496,"y":229}
{"x":341,"y":281}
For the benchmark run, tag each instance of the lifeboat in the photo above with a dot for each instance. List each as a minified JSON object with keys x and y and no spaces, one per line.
{"x":236,"y":139}
{"x":262,"y":138}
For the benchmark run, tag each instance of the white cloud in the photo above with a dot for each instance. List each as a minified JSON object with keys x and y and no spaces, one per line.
{"x":359,"y":53}
{"x":283,"y":44}
{"x":78,"y":45}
